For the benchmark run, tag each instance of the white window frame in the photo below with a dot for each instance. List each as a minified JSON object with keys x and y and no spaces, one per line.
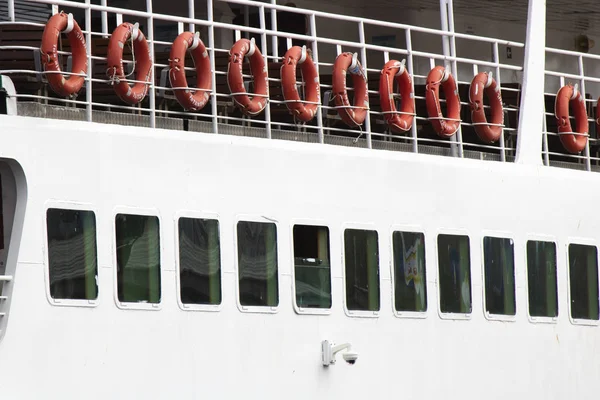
{"x":542,"y":238}
{"x":256,"y":309}
{"x":498,"y":235}
{"x":205,"y":216}
{"x":148,"y":212}
{"x":581,"y":242}
{"x":447,"y":315}
{"x":408,"y":229}
{"x":69,"y":206}
{"x":365,"y":227}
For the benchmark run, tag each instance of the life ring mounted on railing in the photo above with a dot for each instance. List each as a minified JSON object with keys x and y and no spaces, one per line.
{"x":488,"y":132}
{"x":402,"y":120}
{"x":64,"y":23}
{"x":352,"y":115}
{"x":190,"y":99}
{"x":142,"y":63}
{"x":444,"y":126}
{"x":573,"y":141}
{"x":249,"y":105}
{"x":303,"y":110}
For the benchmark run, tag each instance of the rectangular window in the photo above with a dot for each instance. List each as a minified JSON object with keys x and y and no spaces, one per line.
{"x":257,"y":263}
{"x":311,"y":266}
{"x":583,"y":277}
{"x":455,"y":273}
{"x":499,"y":269}
{"x":410,"y":289}
{"x":361,"y":255}
{"x":541,"y":279}
{"x":138,"y":258}
{"x":72,"y":258}
{"x":199,"y":261}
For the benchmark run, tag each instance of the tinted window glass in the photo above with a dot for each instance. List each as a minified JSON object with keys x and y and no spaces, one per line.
{"x":499,"y":269}
{"x":361,"y":254}
{"x":541,"y":279}
{"x":410,"y":289}
{"x":583,"y":278}
{"x":311,"y":266}
{"x":455,"y":273}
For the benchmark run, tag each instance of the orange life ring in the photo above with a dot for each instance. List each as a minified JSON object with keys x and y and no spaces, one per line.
{"x":255,"y":104}
{"x":488,"y":132}
{"x":189,"y":98}
{"x":352,"y":115}
{"x":444,"y":126}
{"x":56,"y":24}
{"x":573,"y":141}
{"x":143,"y":63}
{"x":398,"y":121}
{"x":304,"y":111}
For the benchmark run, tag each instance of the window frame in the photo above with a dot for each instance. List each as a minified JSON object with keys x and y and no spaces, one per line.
{"x":365,"y":227}
{"x":147,"y":212}
{"x":70,"y":206}
{"x":196,"y":215}
{"x":319,"y":223}
{"x":499,"y":235}
{"x":557,"y":246}
{"x":446,"y":315}
{"x":409,"y":229}
{"x":256,"y":309}
{"x":581,"y":242}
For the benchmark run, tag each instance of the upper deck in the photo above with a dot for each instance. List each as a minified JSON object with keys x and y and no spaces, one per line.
{"x":463,"y":37}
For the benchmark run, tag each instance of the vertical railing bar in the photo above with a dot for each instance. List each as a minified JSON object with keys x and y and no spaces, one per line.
{"x":447,"y":64}
{"x":11,"y":10}
{"x":246,"y":20}
{"x":192,"y":15}
{"x":499,"y":86}
{"x":151,"y":39}
{"x":104,"y":18}
{"x":213,"y":72}
{"x":315,"y":56}
{"x":411,"y":71}
{"x":586,"y":152}
{"x":545,"y":141}
{"x":450,"y":8}
{"x":88,"y":54}
{"x":275,"y":38}
{"x":363,"y":56}
{"x":263,"y":48}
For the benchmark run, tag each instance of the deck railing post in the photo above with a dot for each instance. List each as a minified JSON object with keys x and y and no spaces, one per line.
{"x":11,"y":10}
{"x":529,"y":138}
{"x":211,"y":46}
{"x":263,"y":37}
{"x":363,"y":60}
{"x":88,"y":51}
{"x":315,"y":55}
{"x":152,"y":98}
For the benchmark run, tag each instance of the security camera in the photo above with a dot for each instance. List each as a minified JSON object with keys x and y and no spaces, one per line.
{"x":350,"y":357}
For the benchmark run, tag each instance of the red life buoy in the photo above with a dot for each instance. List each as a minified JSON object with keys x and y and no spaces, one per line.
{"x":352,"y":115}
{"x":189,"y":98}
{"x":143,"y":63}
{"x":302,"y":110}
{"x":573,"y":141}
{"x":489,"y":132}
{"x":444,"y":126}
{"x":255,"y":104}
{"x":398,"y":121}
{"x":56,"y":24}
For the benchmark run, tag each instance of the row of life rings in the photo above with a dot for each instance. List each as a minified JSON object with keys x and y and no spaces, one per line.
{"x":253,"y":103}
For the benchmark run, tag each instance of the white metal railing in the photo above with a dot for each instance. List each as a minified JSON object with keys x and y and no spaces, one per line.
{"x":463,"y":64}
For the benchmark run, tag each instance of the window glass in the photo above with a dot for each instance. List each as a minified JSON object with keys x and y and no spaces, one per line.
{"x":410,"y":289}
{"x":199,"y":261}
{"x":72,"y":258}
{"x":361,"y":254}
{"x":138,"y":258}
{"x":541,"y":279}
{"x":583,"y":278}
{"x":455,"y":273}
{"x":257,"y":263}
{"x":499,"y":269}
{"x":311,"y":266}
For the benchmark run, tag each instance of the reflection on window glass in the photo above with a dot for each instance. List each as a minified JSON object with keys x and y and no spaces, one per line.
{"x":583,"y":276}
{"x":72,"y":259}
{"x":499,"y":266}
{"x":361,"y":254}
{"x":199,"y":261}
{"x":311,"y":266}
{"x":541,"y":279}
{"x":138,"y":258}
{"x":455,"y":273}
{"x":257,"y":263}
{"x":410,"y":289}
